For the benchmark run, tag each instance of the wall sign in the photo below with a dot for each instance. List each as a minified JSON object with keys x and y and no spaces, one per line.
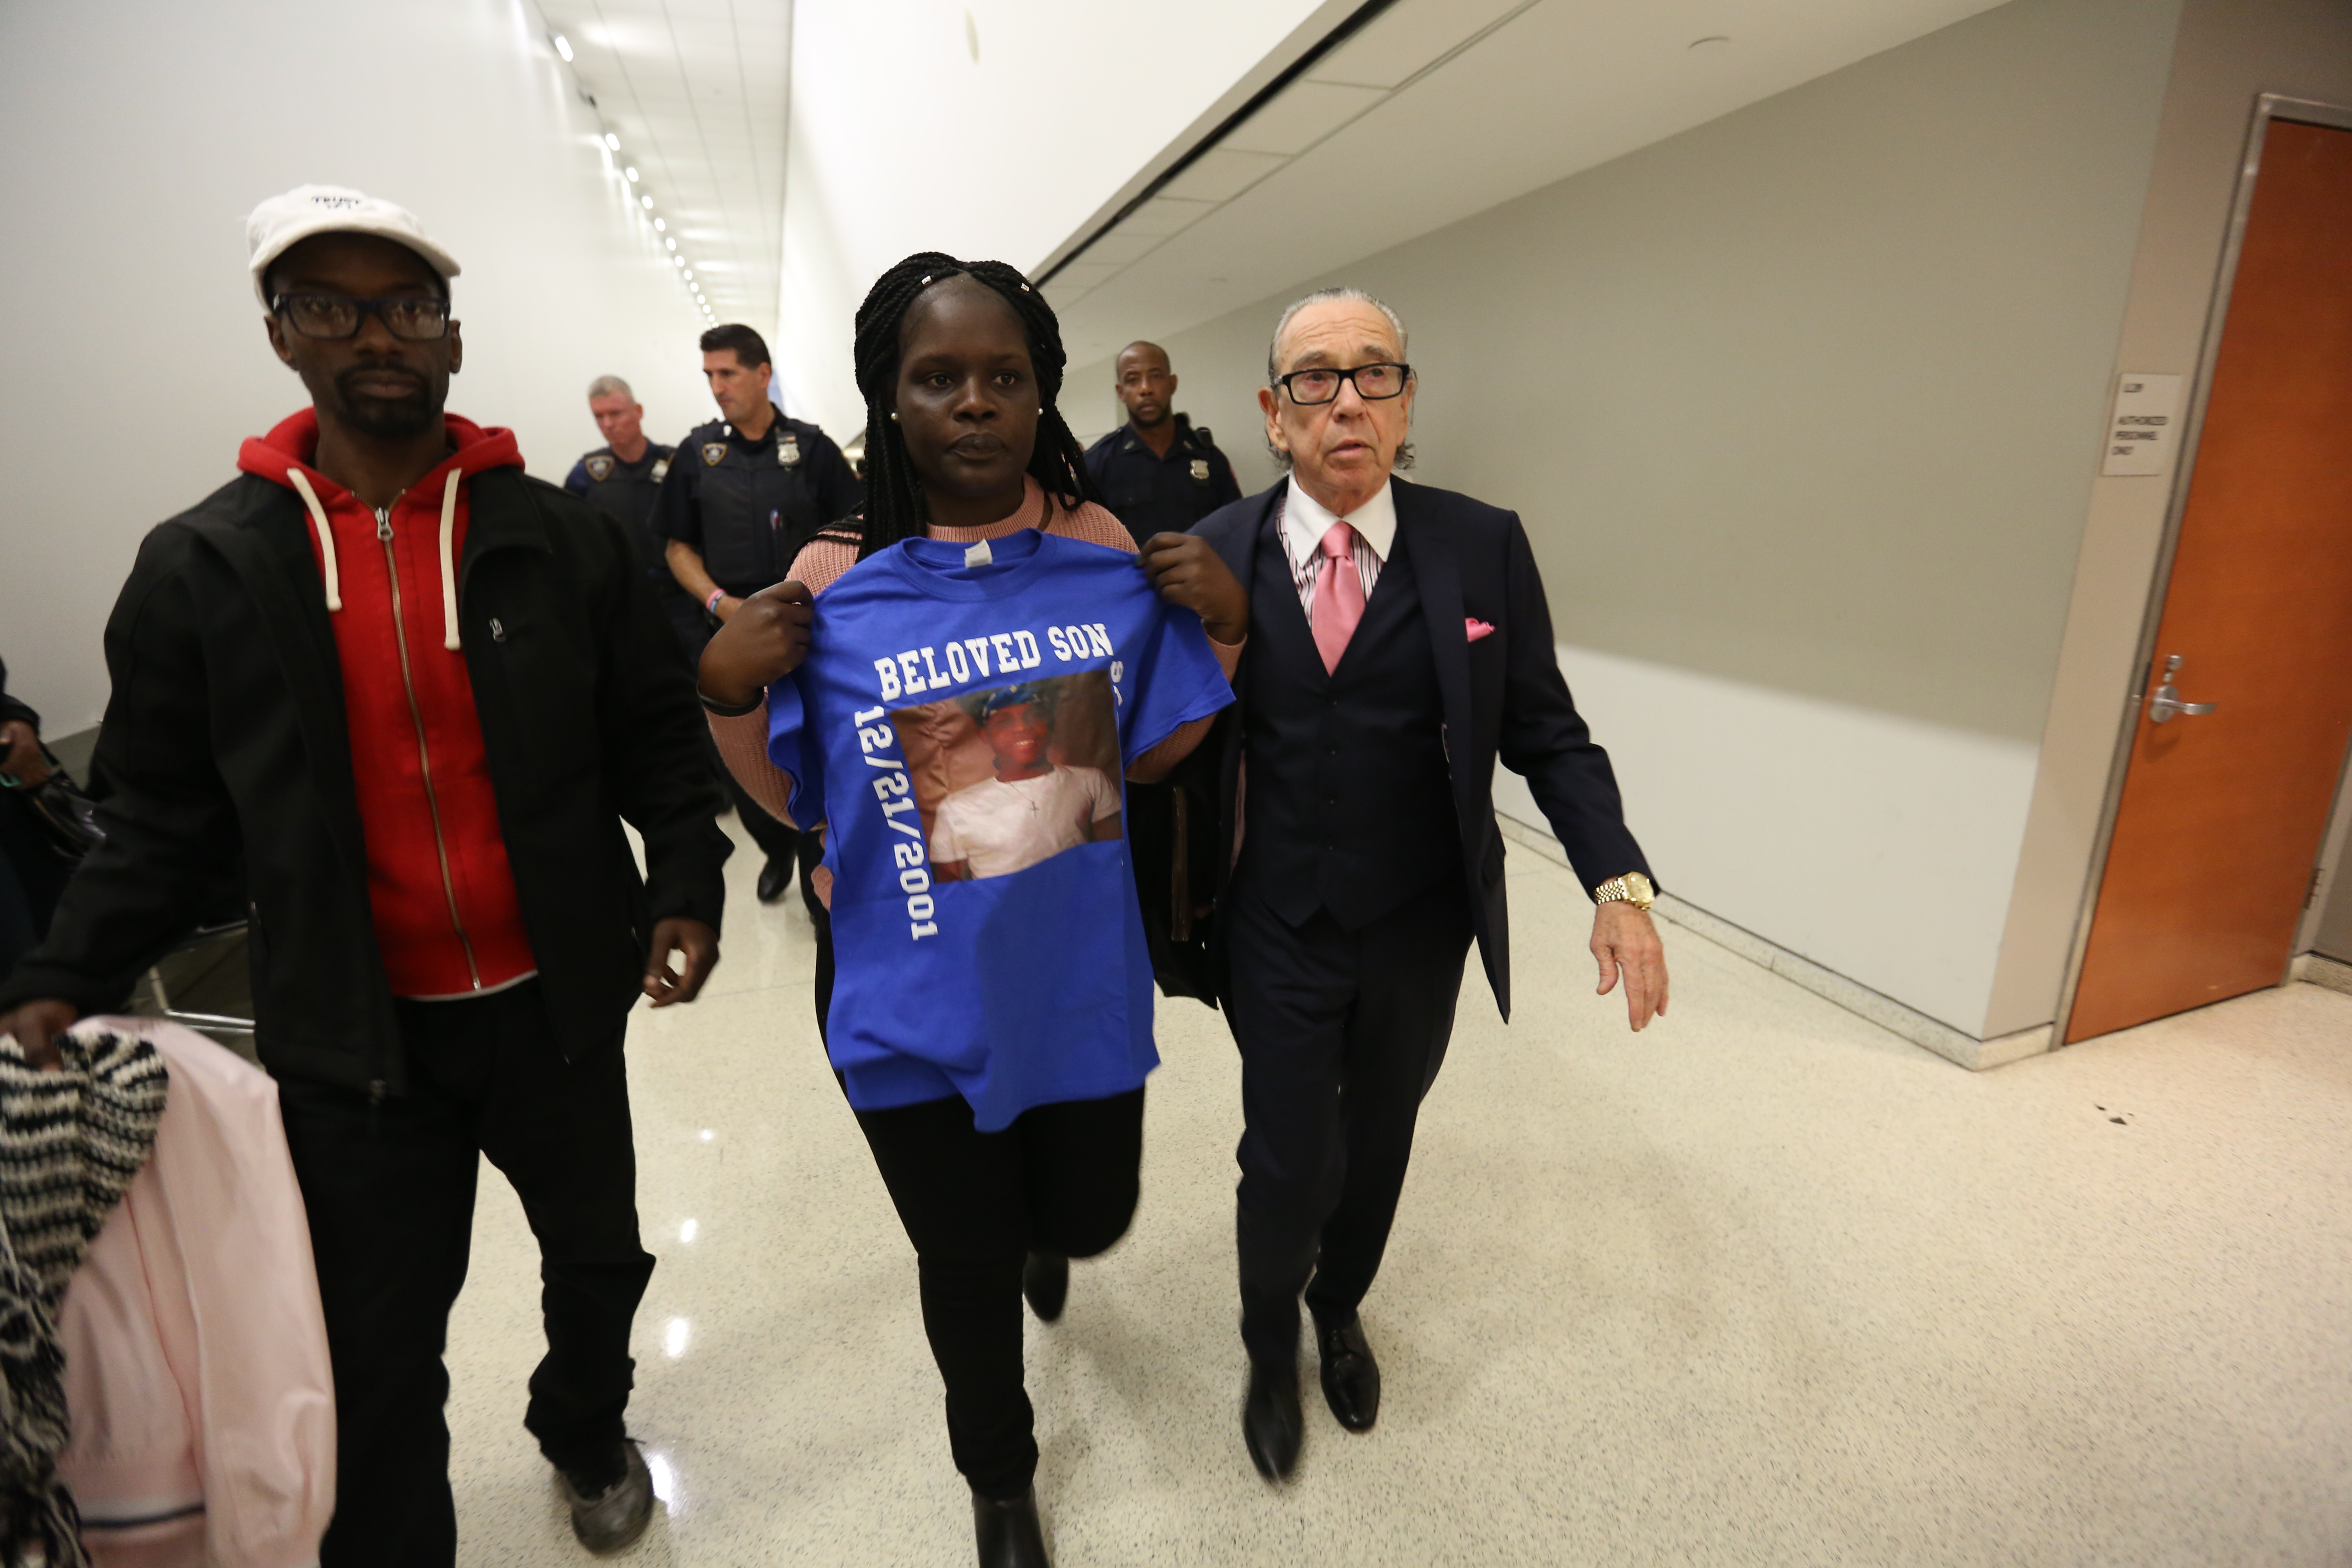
{"x":2145,"y":429}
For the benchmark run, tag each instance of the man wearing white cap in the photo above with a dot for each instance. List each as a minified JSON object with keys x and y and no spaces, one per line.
{"x":405,"y":696}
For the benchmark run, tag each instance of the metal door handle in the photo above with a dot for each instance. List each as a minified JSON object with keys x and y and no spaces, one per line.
{"x":2166,"y":700}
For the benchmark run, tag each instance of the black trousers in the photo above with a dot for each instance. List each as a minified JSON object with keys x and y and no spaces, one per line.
{"x":32,"y":877}
{"x":1061,"y":1178}
{"x":390,"y":1189}
{"x":776,"y":841}
{"x":1341,"y":1033}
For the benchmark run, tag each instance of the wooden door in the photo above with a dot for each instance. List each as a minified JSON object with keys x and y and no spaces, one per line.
{"x":2223,"y":813}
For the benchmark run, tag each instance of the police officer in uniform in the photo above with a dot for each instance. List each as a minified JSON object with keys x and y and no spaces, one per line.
{"x":1156,"y":473}
{"x":745,"y":493}
{"x":1159,"y":475}
{"x":620,"y":479}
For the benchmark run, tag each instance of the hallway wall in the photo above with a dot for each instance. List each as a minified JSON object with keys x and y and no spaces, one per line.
{"x":2335,"y":925}
{"x":1800,"y":408}
{"x":134,"y":359}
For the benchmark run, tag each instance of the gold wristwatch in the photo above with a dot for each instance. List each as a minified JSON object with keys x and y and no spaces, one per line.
{"x":1631,"y":888}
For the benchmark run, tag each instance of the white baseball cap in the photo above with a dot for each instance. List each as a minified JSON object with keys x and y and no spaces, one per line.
{"x":283,"y":222}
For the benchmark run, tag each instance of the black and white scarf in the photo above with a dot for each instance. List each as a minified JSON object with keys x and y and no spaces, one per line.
{"x":70,"y":1142}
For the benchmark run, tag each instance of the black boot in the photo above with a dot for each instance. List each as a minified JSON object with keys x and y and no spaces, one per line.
{"x":1273,"y":1426}
{"x":610,"y":1508}
{"x":775,"y":877}
{"x":1008,"y":1533}
{"x":1046,"y":1281}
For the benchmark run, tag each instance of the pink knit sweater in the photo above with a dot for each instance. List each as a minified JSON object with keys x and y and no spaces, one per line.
{"x":743,"y":740}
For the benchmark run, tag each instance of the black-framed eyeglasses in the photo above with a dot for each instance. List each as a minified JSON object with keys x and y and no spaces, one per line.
{"x":1374,"y":383}
{"x":414,"y":319}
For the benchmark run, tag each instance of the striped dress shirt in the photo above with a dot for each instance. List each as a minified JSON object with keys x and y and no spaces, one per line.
{"x":1304,"y":520}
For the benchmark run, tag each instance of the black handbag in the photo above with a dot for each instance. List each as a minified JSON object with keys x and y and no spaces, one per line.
{"x":67,"y":818}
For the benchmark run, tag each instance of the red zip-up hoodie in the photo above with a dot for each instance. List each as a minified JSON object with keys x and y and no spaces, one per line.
{"x":447,"y":918}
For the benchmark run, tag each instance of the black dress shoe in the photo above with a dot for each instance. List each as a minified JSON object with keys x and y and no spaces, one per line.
{"x":1008,"y":1533}
{"x":1351,"y":1378}
{"x":1046,"y":1282}
{"x":775,"y":877}
{"x":1272,"y":1424}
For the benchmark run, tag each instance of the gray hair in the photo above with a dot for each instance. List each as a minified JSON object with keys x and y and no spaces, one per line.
{"x":606,"y":386}
{"x":1354,"y":296}
{"x":1274,"y":347}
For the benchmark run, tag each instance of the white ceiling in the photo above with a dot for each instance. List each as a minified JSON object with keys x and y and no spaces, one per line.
{"x":698,"y":92}
{"x":1436,"y":110}
{"x":1439,"y":110}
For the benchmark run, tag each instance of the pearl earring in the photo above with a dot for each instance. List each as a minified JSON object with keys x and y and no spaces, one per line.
{"x":893,"y":416}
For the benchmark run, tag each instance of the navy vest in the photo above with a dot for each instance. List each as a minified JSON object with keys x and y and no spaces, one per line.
{"x":1349,"y":802}
{"x":757,"y":510}
{"x":626,"y":492}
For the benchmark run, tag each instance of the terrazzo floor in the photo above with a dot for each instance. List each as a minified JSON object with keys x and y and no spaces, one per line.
{"x":1763,"y":1285}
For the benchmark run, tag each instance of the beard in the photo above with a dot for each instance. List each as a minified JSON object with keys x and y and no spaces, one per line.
{"x":412,"y":413}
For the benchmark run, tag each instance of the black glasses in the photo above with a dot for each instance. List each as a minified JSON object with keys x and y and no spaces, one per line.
{"x":1374,"y":383}
{"x":416,"y":320}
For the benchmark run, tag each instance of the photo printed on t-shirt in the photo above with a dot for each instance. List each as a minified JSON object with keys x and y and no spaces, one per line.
{"x":1011,"y":775}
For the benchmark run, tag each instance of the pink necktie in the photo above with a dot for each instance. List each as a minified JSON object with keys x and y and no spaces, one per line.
{"x":1338,"y":595}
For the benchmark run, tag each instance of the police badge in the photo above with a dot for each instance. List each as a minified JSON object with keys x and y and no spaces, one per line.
{"x":600,"y":467}
{"x":661,"y":469}
{"x":712,"y":451}
{"x":1201,"y":469}
{"x":788,"y":452}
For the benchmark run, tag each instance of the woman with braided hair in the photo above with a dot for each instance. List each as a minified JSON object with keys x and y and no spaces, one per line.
{"x":960,"y":363}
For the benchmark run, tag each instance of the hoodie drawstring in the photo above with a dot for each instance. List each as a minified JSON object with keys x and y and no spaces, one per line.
{"x":449,"y":564}
{"x":326,"y":538}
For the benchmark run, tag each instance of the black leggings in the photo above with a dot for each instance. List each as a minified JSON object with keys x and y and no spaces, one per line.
{"x":1061,"y":1178}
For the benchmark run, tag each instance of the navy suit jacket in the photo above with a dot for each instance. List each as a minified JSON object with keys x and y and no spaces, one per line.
{"x":1503,"y":695}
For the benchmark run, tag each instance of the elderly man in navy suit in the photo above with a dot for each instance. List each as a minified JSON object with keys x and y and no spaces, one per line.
{"x":1399,"y":644}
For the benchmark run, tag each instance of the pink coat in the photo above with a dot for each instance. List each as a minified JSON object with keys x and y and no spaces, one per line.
{"x":197,"y":1370}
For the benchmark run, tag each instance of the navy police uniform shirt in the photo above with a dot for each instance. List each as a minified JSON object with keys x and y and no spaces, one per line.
{"x":1154,"y":494}
{"x":626,"y":492}
{"x":746,"y":507}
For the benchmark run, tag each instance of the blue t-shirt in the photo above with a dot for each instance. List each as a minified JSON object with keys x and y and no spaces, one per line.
{"x":965,"y":732}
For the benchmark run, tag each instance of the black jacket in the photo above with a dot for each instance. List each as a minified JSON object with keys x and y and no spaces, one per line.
{"x":12,"y":708}
{"x":1503,"y":696}
{"x":225,"y":749}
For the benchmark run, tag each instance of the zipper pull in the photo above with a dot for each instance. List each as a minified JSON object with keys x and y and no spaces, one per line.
{"x":383,"y":523}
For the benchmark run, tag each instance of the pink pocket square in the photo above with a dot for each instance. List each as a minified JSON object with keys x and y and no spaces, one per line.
{"x":1474,"y":629}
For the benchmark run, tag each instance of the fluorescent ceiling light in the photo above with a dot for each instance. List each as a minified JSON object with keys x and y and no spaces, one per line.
{"x":563,"y":48}
{"x":671,"y":243}
{"x":611,"y":140}
{"x":632,"y":171}
{"x":659,"y":225}
{"x":649,"y":201}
